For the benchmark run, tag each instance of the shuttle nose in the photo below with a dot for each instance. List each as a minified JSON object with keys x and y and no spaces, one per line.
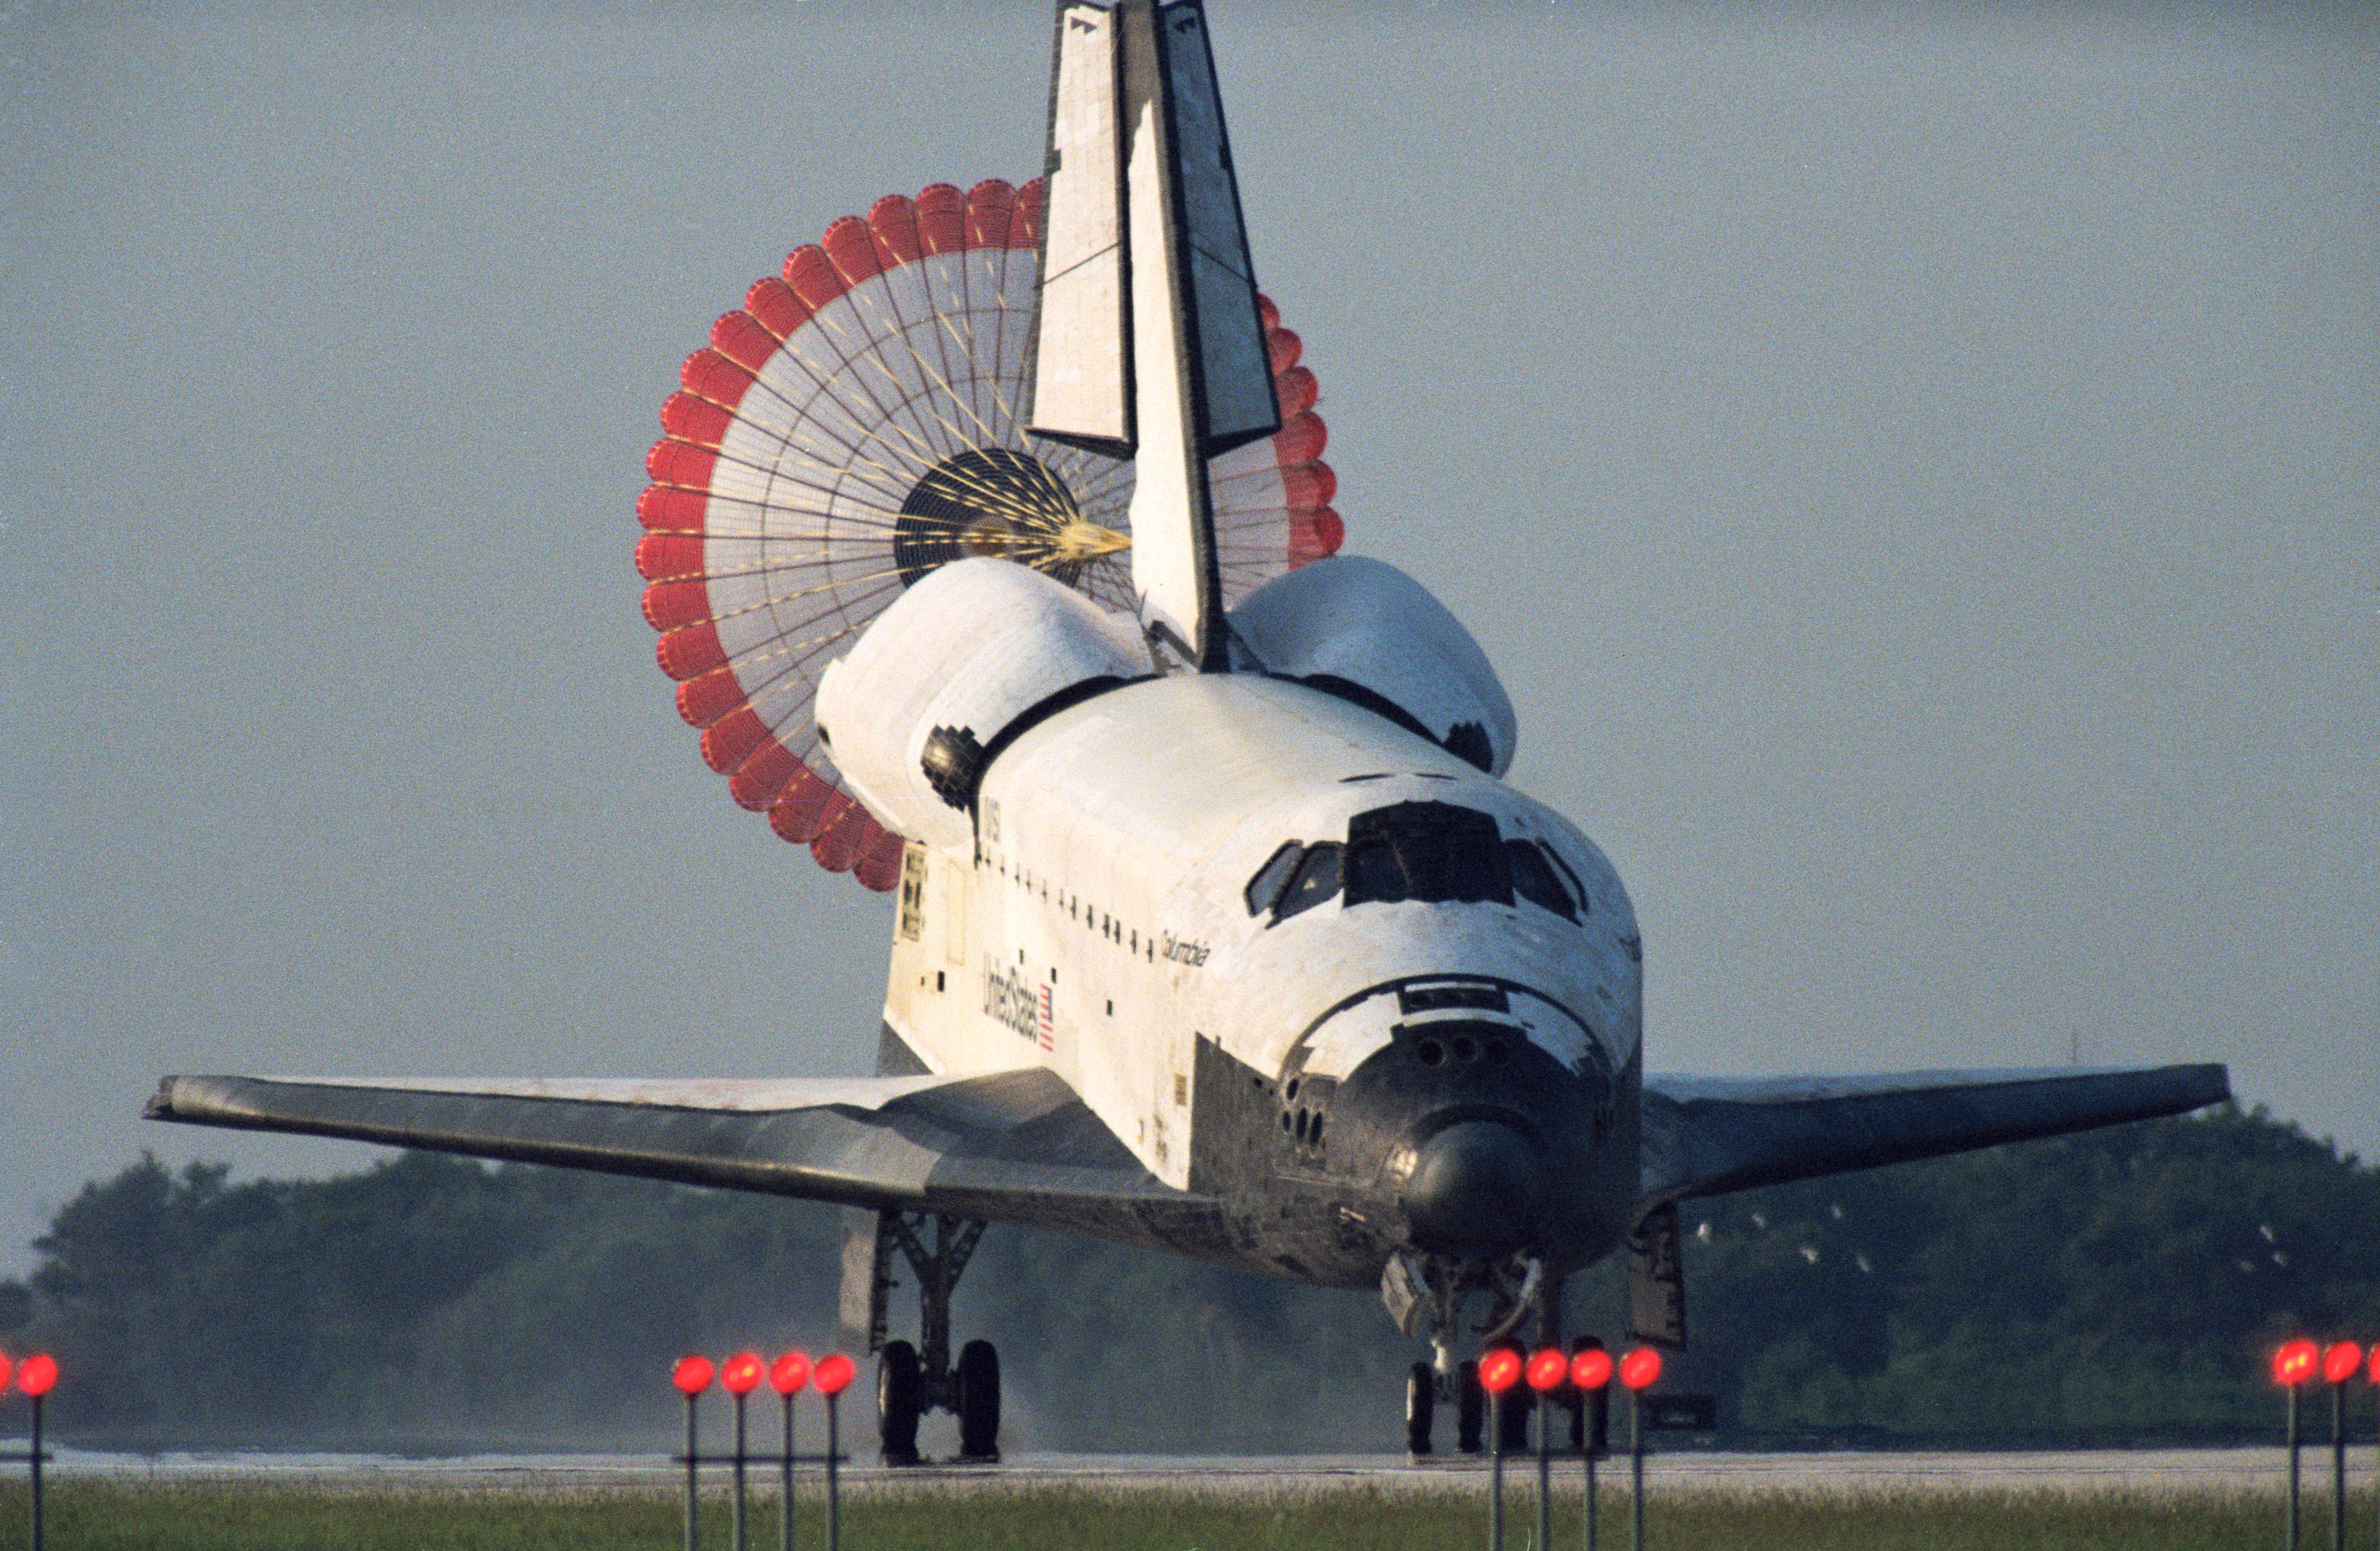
{"x":1477,"y":1190}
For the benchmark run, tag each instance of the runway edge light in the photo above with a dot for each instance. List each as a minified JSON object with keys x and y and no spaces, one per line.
{"x":2340,"y":1361}
{"x":692,"y":1375}
{"x":1499,"y":1370}
{"x":2294,"y":1363}
{"x":37,"y":1374}
{"x":833,"y":1374}
{"x":1591,"y":1368}
{"x":789,"y":1373}
{"x":1641,"y":1369}
{"x":743,"y":1373}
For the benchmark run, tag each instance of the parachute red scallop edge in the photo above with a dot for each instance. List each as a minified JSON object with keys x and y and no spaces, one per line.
{"x":855,"y":423}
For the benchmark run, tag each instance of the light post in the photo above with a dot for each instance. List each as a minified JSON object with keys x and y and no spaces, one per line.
{"x":786,"y":1376}
{"x":2339,"y":1361}
{"x":35,"y":1376}
{"x":2373,"y":1373}
{"x":1499,"y":1369}
{"x":2292,"y":1365}
{"x":832,"y":1375}
{"x":692,"y":1375}
{"x":1638,"y":1371}
{"x":1590,"y":1371}
{"x":1545,"y":1372}
{"x":741,"y":1375}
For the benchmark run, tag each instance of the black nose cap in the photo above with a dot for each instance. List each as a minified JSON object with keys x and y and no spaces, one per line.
{"x":1477,"y":1191}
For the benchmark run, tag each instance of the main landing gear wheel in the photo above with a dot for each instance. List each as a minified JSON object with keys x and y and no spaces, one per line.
{"x":898,"y":1402}
{"x":978,"y":1401}
{"x":1421,"y":1407}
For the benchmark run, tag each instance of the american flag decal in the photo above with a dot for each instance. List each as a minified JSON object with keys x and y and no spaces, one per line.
{"x":1043,"y":1024}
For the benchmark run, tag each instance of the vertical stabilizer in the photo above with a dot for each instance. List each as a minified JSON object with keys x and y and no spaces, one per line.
{"x":1231,"y":379}
{"x":1150,"y":341}
{"x":1082,"y":377}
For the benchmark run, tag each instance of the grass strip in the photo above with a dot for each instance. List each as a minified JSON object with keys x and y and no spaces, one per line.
{"x":88,"y":1515}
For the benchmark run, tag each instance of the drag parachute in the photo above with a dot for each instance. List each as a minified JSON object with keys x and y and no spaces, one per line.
{"x":857,"y":424}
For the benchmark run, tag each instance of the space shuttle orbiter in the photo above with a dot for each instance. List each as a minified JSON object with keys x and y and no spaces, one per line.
{"x":991,"y":550}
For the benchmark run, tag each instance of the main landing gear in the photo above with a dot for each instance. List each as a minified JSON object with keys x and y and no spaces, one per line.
{"x":914,"y":1379}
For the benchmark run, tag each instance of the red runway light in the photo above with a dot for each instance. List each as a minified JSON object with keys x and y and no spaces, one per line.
{"x":2339,"y":1361}
{"x":2374,"y":1370}
{"x":1640,"y":1368}
{"x":789,"y":1373}
{"x":832,"y":1373}
{"x":9,"y":1366}
{"x":1591,"y":1368}
{"x":37,"y":1373}
{"x":1547,"y":1369}
{"x":2294,"y":1364}
{"x":742,"y":1374}
{"x":1499,"y":1370}
{"x":692,"y":1375}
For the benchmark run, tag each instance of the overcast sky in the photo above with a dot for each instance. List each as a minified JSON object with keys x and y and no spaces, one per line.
{"x":1914,"y":469}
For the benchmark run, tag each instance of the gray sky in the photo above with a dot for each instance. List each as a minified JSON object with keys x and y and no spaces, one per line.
{"x":1914,"y":469}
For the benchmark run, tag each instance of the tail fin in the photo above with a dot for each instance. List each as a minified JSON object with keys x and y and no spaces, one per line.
{"x":1149,"y":342}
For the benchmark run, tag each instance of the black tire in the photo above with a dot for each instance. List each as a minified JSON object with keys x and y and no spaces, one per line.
{"x":1513,"y":1414}
{"x":1470,"y":1409}
{"x":978,"y":1376}
{"x":1421,"y":1407}
{"x":896,"y":1402}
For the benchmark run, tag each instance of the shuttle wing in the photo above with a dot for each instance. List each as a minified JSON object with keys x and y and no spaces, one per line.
{"x":1014,"y":1146}
{"x":1705,"y":1136}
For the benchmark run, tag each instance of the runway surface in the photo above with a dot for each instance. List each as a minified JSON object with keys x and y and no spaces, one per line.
{"x":2188,"y":1472}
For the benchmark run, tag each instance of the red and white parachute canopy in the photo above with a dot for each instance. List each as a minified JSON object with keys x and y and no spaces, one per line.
{"x":859,"y":423}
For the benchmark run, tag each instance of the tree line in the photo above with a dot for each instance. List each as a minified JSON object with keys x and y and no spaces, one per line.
{"x":2122,"y":1285}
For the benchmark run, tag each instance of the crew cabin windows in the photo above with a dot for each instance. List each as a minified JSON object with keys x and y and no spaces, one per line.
{"x":1434,"y":852}
{"x":1534,"y":878}
{"x":1317,"y":879}
{"x":1264,"y":889}
{"x":1427,"y":852}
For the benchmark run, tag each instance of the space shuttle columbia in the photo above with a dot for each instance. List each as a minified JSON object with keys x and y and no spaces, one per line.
{"x":991,"y":550}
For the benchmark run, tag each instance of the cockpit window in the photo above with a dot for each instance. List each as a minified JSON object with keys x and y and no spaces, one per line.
{"x":1577,"y":889}
{"x":1317,"y":880}
{"x":1434,"y":852}
{"x":1534,"y":879}
{"x":1264,"y":889}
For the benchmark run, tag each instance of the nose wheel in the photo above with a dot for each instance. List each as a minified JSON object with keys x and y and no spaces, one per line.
{"x":1421,"y":1407}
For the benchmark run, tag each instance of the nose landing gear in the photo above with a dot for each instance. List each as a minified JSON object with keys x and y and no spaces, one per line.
{"x":1426,"y":1293}
{"x":912,"y":1380}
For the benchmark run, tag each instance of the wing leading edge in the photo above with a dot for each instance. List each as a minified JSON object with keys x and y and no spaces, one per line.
{"x":1014,"y":1146}
{"x":1707,"y":1136}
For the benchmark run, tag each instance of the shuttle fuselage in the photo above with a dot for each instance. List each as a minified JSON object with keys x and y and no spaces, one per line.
{"x":1300,"y":960}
